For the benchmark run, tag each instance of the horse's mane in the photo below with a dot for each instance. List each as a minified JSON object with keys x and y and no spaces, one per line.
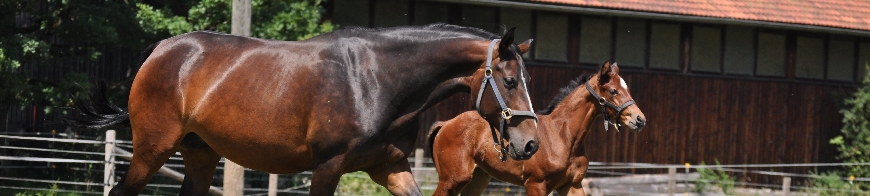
{"x":564,"y":92}
{"x":436,"y":27}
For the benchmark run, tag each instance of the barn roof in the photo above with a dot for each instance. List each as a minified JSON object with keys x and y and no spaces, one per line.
{"x":844,"y":14}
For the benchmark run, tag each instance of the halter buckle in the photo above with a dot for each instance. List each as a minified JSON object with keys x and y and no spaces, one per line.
{"x":507,"y":114}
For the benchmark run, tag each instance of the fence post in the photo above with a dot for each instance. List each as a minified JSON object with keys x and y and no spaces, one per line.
{"x":786,"y":186}
{"x":418,"y":165}
{"x":672,"y":180}
{"x":234,"y":174}
{"x":109,"y":174}
{"x":273,"y":185}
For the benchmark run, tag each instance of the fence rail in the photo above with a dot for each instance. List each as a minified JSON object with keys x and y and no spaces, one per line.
{"x":422,"y":170}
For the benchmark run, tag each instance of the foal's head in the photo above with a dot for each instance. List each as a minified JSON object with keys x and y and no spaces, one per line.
{"x":507,"y":102}
{"x":613,"y":96}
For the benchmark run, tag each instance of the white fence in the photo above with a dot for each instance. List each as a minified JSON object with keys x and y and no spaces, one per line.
{"x":605,"y":178}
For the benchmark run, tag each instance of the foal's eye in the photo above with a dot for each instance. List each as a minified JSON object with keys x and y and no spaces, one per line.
{"x":613,"y":92}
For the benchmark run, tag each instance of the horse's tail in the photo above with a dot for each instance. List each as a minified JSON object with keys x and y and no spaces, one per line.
{"x":98,"y":112}
{"x":433,"y":131}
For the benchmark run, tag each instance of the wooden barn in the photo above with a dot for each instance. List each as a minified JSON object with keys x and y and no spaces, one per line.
{"x":754,"y":82}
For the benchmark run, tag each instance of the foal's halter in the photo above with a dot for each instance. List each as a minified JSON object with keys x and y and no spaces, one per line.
{"x":506,"y":112}
{"x":602,"y":102}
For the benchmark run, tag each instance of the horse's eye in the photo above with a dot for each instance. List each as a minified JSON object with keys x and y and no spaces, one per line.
{"x":510,"y":82}
{"x":613,"y":92}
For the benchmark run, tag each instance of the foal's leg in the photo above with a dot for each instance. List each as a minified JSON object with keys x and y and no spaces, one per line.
{"x":479,"y":181}
{"x":569,"y":189}
{"x":200,"y":162}
{"x":152,"y":146}
{"x":397,"y":178}
{"x":452,"y":176}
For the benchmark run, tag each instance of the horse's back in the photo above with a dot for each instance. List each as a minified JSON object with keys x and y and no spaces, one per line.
{"x":234,"y":90}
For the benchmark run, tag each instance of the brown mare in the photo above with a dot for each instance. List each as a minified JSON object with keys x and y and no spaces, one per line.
{"x":463,"y":146}
{"x":340,"y":102}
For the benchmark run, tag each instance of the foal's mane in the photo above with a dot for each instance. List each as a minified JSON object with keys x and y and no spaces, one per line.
{"x":564,"y":92}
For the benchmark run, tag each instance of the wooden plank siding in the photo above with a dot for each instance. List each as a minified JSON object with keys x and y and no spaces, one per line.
{"x":697,"y":118}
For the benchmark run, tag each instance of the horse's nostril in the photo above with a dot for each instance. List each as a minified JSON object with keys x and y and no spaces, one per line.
{"x":531,"y":147}
{"x":640,"y":121}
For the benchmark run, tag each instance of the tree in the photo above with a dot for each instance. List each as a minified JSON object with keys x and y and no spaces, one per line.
{"x":43,"y":32}
{"x":854,"y":143}
{"x":280,"y":20}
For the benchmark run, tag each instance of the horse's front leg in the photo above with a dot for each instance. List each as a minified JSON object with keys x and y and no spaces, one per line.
{"x":397,"y":178}
{"x":325,"y":178}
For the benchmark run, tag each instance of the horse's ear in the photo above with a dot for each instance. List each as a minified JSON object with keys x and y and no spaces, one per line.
{"x":506,"y":41}
{"x":604,"y":73}
{"x":524,"y":47}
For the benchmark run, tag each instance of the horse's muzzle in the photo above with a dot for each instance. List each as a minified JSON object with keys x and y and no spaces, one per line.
{"x":529,"y":149}
{"x":639,"y":123}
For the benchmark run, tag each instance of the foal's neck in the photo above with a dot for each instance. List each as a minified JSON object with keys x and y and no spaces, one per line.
{"x":578,"y":111}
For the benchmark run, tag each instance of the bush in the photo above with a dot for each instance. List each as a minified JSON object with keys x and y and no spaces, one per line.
{"x":854,"y":142}
{"x":710,"y":178}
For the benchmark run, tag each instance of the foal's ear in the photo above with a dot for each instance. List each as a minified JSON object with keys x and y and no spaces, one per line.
{"x":524,"y":47}
{"x":604,"y":73}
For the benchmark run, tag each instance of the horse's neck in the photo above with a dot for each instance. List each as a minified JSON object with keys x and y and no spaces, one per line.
{"x":456,"y":61}
{"x":577,"y":112}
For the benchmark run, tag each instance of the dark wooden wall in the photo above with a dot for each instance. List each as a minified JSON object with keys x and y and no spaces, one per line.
{"x":702,"y":118}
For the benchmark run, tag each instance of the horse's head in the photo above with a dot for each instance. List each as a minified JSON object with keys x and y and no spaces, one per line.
{"x":502,"y":98}
{"x":614,"y":98}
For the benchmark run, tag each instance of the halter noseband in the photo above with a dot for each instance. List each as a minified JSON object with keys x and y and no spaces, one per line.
{"x":506,"y":112}
{"x":602,"y":102}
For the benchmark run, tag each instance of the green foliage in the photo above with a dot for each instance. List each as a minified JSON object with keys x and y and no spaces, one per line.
{"x":53,"y":191}
{"x":832,"y":184}
{"x":714,"y":178}
{"x":281,"y":20}
{"x":854,"y":143}
{"x":359,"y":183}
{"x":38,"y":34}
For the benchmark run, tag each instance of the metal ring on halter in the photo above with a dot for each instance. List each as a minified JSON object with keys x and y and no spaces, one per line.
{"x":601,"y":101}
{"x":507,"y":114}
{"x":487,"y":73}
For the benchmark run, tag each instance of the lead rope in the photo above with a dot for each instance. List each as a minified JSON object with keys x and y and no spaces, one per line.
{"x":506,"y":112}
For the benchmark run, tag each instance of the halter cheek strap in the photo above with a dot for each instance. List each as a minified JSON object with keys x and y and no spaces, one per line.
{"x":506,"y":112}
{"x":602,"y":102}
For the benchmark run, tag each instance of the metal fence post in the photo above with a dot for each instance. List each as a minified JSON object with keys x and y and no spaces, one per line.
{"x":109,"y":174}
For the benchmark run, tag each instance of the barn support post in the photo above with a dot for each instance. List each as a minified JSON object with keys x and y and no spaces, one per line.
{"x":108,"y":172}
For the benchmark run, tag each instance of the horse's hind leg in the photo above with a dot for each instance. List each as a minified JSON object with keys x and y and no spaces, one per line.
{"x":152,"y":146}
{"x":200,"y":162}
{"x":397,"y":178}
{"x":479,"y":181}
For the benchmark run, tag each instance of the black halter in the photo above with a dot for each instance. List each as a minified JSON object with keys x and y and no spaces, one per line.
{"x":603,"y":102}
{"x":506,"y":112}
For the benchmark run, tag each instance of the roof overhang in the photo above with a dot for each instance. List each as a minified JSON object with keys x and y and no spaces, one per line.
{"x":657,"y":16}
